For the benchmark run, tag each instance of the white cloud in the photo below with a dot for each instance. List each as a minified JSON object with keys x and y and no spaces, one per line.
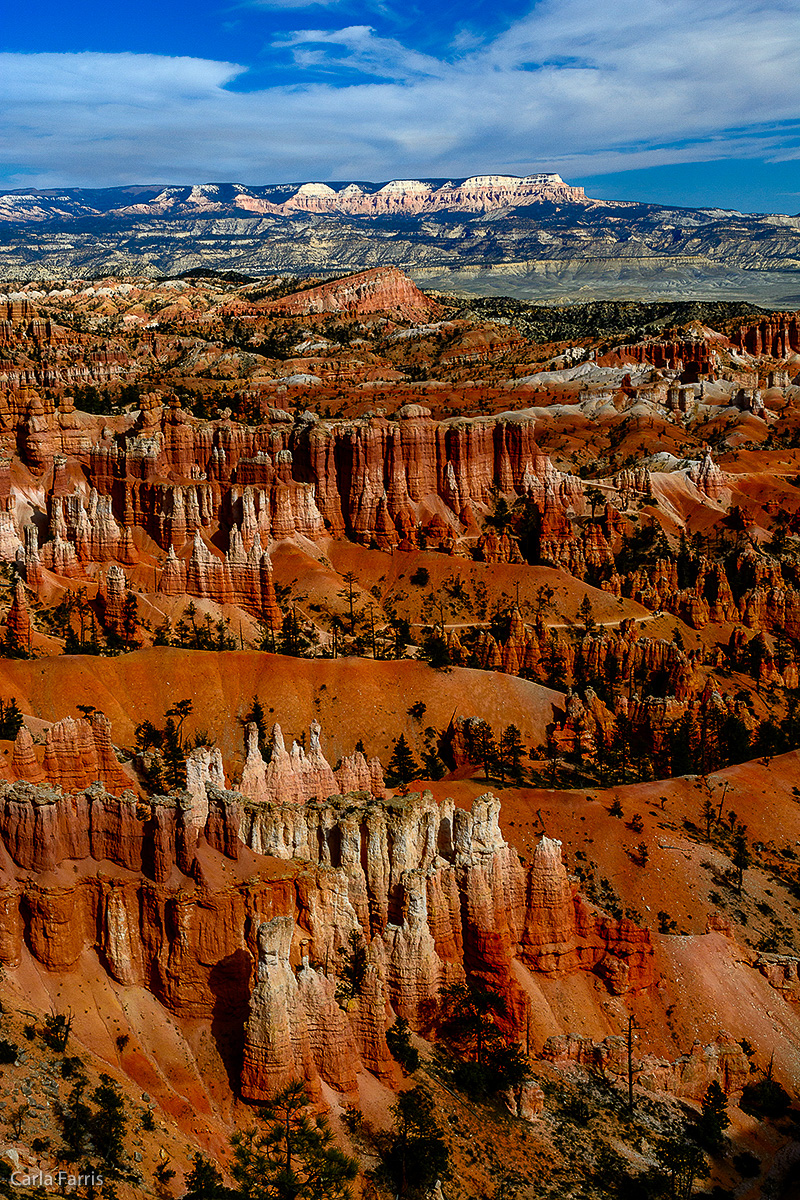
{"x":575,"y":85}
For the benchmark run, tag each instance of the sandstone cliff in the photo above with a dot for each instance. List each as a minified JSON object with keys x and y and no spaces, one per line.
{"x":434,"y":892}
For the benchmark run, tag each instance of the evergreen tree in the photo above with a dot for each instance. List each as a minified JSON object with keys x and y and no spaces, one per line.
{"x":348,"y":594}
{"x":258,"y":717}
{"x":402,"y":766}
{"x":486,"y":747}
{"x":682,"y":1164}
{"x":73,"y":1117}
{"x":181,"y":710}
{"x":418,"y":1152}
{"x":765,"y":1099}
{"x":11,"y":719}
{"x":106,"y":1126}
{"x":204,"y":1182}
{"x":529,"y":531}
{"x":174,"y":757}
{"x":293,"y":1158}
{"x":586,"y":614}
{"x":353,"y":968}
{"x":709,"y":748}
{"x":130,"y":620}
{"x":790,"y":725}
{"x":398,"y":1039}
{"x":434,"y":765}
{"x":486,"y":1062}
{"x":595,"y":498}
{"x":223,"y":639}
{"x":512,"y":751}
{"x":683,"y":741}
{"x":734,"y":739}
{"x":13,"y":647}
{"x":714,"y":1119}
{"x":434,"y":650}
{"x":502,"y":517}
{"x":687,"y":572}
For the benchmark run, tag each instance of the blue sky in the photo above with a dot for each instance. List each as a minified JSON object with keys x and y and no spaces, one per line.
{"x":664,"y":100}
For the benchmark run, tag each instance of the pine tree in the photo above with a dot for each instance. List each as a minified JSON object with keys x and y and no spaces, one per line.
{"x":586,"y":613}
{"x":487,"y":749}
{"x":398,"y":1039}
{"x":714,"y":1119}
{"x":348,"y":594}
{"x":418,"y":1151}
{"x":293,"y":1158}
{"x":11,"y":719}
{"x":512,"y":751}
{"x":353,"y":968}
{"x":107,"y":1125}
{"x":402,"y":766}
{"x":130,"y":619}
{"x":486,"y":1063}
{"x":595,"y":498}
{"x":684,"y":738}
{"x":741,"y":856}
{"x":204,"y":1182}
{"x":174,"y":758}
{"x":258,"y":717}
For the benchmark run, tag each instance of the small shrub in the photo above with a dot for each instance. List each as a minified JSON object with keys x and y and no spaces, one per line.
{"x":70,"y":1067}
{"x":352,"y":1119}
{"x":421,"y":577}
{"x":766,"y":1099}
{"x":748,"y":1165}
{"x":8,"y":1051}
{"x":576,"y":1110}
{"x":57,"y":1027}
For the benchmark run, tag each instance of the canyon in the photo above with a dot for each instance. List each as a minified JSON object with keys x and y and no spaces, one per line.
{"x":346,"y":620}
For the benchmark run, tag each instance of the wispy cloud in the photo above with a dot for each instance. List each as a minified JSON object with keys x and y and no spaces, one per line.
{"x":574,"y":85}
{"x":288,"y":4}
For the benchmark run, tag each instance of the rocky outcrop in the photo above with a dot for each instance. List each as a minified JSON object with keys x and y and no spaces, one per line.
{"x":180,"y":481}
{"x":79,"y":753}
{"x":723,"y":1061}
{"x":782,"y":971}
{"x":297,"y":776}
{"x":777,"y":336}
{"x":707,"y":477}
{"x":383,"y":290}
{"x":563,"y":933}
{"x":433,"y":891}
{"x":18,"y":620}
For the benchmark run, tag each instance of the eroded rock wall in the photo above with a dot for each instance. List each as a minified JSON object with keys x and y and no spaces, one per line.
{"x":431,"y":891}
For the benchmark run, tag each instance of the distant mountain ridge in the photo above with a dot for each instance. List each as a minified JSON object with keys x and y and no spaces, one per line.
{"x":477,"y":193}
{"x":533,"y":236}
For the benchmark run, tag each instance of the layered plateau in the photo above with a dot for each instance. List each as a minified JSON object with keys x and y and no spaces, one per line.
{"x":531,"y":236}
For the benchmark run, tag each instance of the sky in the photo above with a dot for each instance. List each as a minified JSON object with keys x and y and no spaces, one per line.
{"x":670,"y":101}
